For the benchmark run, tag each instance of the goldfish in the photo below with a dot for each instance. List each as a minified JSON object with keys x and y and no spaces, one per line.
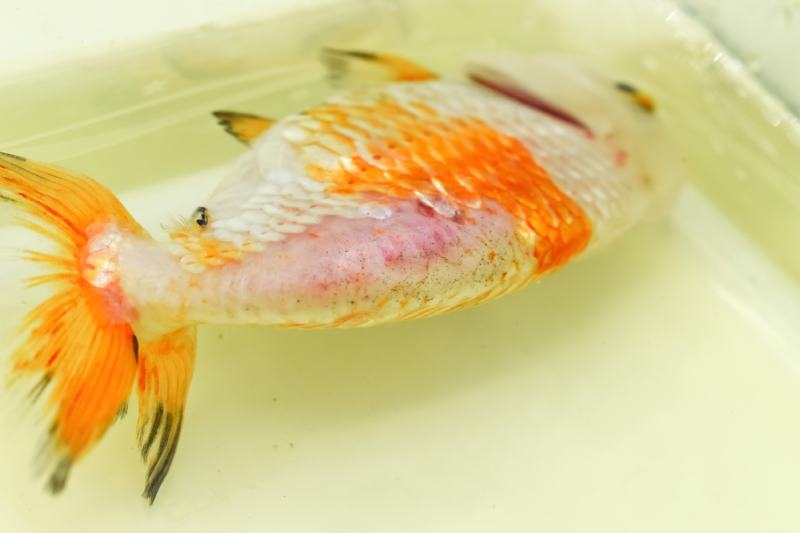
{"x":404,"y":197}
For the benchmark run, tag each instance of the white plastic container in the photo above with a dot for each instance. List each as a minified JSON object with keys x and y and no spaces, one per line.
{"x":651,"y":388}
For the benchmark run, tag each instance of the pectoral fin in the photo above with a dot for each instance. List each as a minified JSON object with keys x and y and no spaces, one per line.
{"x":244,"y":126}
{"x":358,"y":65}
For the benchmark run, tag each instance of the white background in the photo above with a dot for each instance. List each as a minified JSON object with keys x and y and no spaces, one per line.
{"x":46,"y":30}
{"x":765,"y":32}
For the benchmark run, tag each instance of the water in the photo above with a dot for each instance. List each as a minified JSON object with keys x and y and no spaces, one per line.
{"x":652,"y":387}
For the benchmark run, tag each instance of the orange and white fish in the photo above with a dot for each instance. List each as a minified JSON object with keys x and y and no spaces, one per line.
{"x":387,"y":202}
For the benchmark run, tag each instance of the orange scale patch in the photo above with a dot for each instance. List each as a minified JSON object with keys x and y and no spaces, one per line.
{"x":463,"y":160}
{"x":205,"y":250}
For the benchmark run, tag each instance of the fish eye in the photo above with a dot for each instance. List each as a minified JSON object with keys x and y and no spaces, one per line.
{"x":200,"y":217}
{"x":643,"y":100}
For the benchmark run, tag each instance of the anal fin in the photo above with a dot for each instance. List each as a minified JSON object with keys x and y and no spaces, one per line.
{"x":165,"y":372}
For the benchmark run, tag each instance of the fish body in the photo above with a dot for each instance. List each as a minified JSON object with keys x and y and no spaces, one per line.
{"x":390,"y":203}
{"x":386,"y":202}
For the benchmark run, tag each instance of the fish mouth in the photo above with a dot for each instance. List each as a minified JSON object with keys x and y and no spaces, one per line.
{"x":532,"y":100}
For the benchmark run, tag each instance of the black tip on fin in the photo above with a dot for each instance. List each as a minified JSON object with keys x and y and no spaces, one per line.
{"x":123,"y":410}
{"x":642,"y":99}
{"x":244,"y":126}
{"x":13,"y":156}
{"x":162,"y":461}
{"x":58,"y":479}
{"x":36,"y":392}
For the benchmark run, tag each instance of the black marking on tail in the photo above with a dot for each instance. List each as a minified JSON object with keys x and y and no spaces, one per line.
{"x":135,"y":343}
{"x":41,"y":385}
{"x":58,"y":479}
{"x":123,"y":410}
{"x":13,"y":156}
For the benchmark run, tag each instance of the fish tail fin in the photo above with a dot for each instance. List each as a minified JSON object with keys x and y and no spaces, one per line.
{"x":78,"y":344}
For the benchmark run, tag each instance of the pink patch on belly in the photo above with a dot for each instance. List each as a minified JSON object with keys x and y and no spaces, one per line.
{"x":340,"y":252}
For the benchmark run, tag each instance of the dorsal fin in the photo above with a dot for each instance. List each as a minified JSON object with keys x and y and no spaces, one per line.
{"x":243,"y":126}
{"x":344,"y":65}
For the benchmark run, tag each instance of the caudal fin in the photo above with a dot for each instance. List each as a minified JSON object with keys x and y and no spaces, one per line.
{"x":79,"y":345}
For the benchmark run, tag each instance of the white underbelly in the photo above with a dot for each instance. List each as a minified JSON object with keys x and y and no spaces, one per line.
{"x":355,"y":272}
